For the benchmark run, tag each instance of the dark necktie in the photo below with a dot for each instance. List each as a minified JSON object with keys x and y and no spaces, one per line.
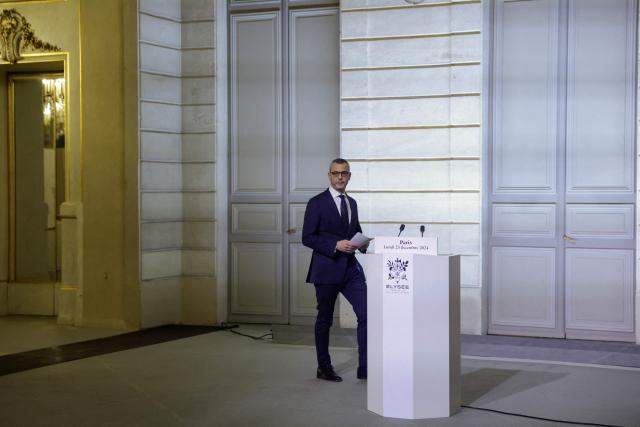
{"x":344,"y":213}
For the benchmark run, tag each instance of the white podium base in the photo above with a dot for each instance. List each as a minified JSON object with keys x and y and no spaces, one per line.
{"x":414,"y":340}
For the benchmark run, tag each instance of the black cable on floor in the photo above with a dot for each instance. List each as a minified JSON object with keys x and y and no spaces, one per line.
{"x":230,"y":328}
{"x":539,"y":418}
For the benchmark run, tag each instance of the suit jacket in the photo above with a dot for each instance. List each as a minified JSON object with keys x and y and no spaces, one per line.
{"x":321,"y":231}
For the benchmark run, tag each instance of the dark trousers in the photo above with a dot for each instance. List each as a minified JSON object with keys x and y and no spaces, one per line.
{"x":354,"y":289}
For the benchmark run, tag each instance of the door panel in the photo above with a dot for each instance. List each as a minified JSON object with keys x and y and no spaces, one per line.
{"x":296,"y":215}
{"x":258,"y":285}
{"x":600,"y":290}
{"x":256,"y":218}
{"x":314,"y":135}
{"x":525,"y":130}
{"x":525,"y":296}
{"x":600,"y":169}
{"x":563,"y":169}
{"x":284,"y":76}
{"x":303,"y":297}
{"x":524,"y":287}
{"x":314,"y":95}
{"x":256,"y":123}
{"x":32,"y":235}
{"x":256,"y":274}
{"x":600,"y":221}
{"x":524,"y":220}
{"x":600,"y":97}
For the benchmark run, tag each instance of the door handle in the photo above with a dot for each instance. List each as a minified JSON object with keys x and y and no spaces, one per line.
{"x":291,"y":231}
{"x":569,"y":239}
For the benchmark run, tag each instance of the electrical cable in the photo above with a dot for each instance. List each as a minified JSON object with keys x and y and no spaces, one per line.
{"x":230,"y":328}
{"x":539,"y":418}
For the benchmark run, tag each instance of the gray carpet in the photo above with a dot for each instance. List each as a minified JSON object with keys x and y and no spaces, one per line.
{"x":560,"y":350}
{"x":495,"y":346}
{"x":222,"y":379}
{"x":573,"y":393}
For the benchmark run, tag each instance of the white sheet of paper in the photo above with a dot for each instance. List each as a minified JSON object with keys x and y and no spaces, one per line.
{"x":360,"y":239}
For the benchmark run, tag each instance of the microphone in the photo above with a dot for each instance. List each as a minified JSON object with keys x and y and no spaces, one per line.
{"x":422,"y":230}
{"x":401,"y":229}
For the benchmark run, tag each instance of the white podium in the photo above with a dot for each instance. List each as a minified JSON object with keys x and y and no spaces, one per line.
{"x":413,"y":305}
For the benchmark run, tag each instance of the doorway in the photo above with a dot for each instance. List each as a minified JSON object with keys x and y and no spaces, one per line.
{"x":284,"y":112}
{"x":37,"y":123}
{"x":562,"y":169}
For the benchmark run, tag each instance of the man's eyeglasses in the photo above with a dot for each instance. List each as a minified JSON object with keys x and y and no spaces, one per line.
{"x":344,"y":174}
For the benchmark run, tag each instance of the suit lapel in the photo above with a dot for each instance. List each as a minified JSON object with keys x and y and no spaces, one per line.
{"x":333,"y":207}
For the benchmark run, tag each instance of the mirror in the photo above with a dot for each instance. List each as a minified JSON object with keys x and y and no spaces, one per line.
{"x":37,"y":130}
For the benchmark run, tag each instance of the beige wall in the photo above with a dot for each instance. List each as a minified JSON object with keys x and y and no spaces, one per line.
{"x":110,"y":237}
{"x":100,"y":235}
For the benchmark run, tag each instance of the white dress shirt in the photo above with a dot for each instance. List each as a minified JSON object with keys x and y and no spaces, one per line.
{"x":336,"y":198}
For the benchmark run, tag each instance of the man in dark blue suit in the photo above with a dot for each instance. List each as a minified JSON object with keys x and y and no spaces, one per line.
{"x":330,"y":221}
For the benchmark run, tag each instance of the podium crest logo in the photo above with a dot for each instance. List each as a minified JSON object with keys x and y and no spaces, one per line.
{"x":397,"y":270}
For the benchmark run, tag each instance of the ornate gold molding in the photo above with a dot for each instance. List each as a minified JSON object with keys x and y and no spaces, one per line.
{"x":16,"y":35}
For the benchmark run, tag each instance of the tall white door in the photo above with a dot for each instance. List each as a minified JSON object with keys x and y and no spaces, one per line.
{"x":284,"y":132}
{"x":562,"y":169}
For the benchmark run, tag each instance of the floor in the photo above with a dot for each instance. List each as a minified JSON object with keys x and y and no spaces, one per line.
{"x":24,"y":333}
{"x":224,"y":379}
{"x":501,"y":347}
{"x":549,"y":349}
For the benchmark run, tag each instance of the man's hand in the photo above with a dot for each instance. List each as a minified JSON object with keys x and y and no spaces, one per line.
{"x":345,"y":246}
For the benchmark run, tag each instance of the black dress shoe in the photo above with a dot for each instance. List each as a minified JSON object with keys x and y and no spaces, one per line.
{"x":362,"y":373}
{"x":328,"y":374}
